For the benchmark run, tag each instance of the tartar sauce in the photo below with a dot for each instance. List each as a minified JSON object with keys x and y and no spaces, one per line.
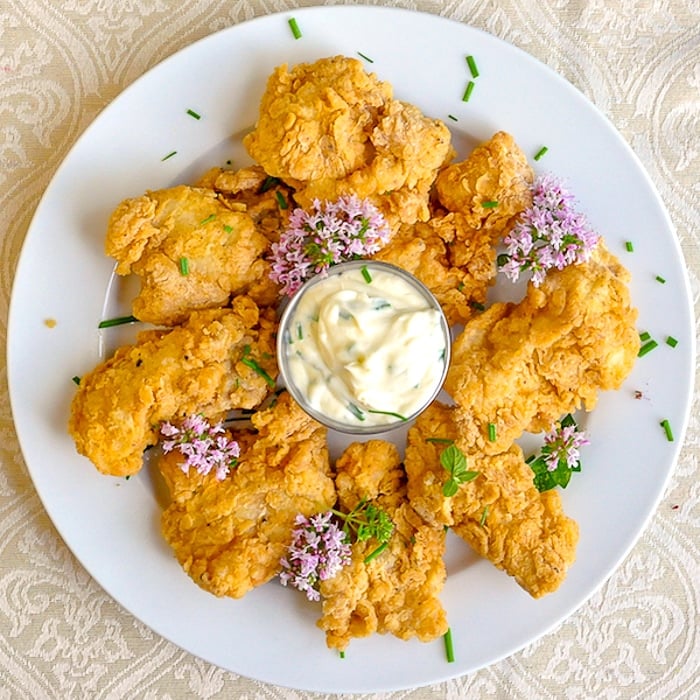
{"x":365,"y":346}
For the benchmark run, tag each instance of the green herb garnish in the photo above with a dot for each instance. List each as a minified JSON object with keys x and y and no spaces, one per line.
{"x":491,"y":204}
{"x":76,"y":379}
{"x":169,"y":155}
{"x":541,"y":152}
{"x":194,"y":114}
{"x":366,"y":274}
{"x":250,"y":362}
{"x":449,"y":647}
{"x":492,"y":432}
{"x":454,"y":461}
{"x":484,"y":515}
{"x":184,"y":267}
{"x":296,"y":32}
{"x":670,"y":340}
{"x":441,"y":441}
{"x":367,"y":58}
{"x":209,"y":218}
{"x":119,"y":321}
{"x":356,"y":411}
{"x":472,"y":67}
{"x":667,"y":429}
{"x":281,"y":201}
{"x":468,"y":91}
{"x":388,"y":413}
{"x":660,"y":279}
{"x":647,"y":348}
{"x":629,"y":247}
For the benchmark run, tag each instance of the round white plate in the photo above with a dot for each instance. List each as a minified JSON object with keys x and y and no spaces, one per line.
{"x":112,"y":525}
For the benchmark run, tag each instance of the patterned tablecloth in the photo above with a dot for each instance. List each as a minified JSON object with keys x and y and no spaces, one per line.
{"x":61,"y":636}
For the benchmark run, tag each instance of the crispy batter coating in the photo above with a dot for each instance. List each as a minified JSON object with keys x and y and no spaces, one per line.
{"x":328,"y":129}
{"x":522,"y":366}
{"x":230,"y":535}
{"x":457,"y":263}
{"x":195,"y":368}
{"x":396,"y":591}
{"x":500,"y":513}
{"x":496,"y":171}
{"x":153,"y":234}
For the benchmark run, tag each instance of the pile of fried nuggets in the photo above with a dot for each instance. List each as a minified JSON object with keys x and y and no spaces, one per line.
{"x":328,"y":129}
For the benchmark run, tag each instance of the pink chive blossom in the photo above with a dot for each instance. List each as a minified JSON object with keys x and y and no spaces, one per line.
{"x":319,"y":549}
{"x":562,"y":443}
{"x":205,"y":446}
{"x":330,"y":233}
{"x":549,"y":234}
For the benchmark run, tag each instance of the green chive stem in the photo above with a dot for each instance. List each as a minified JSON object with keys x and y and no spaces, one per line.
{"x":449,"y":646}
{"x":629,"y":247}
{"x":452,"y":117}
{"x":367,"y":58}
{"x":76,"y":379}
{"x":227,"y":228}
{"x":441,"y":441}
{"x":468,"y":91}
{"x":644,"y":336}
{"x":209,"y":218}
{"x":249,"y":362}
{"x":541,"y":152}
{"x":281,"y":200}
{"x":491,"y":204}
{"x":194,"y":114}
{"x":366,"y":274}
{"x":647,"y":348}
{"x":184,"y":266}
{"x":492,"y":432}
{"x":670,"y":340}
{"x":170,"y":155}
{"x":376,"y":552}
{"x":484,"y":515}
{"x":119,"y":321}
{"x":660,"y":279}
{"x":472,"y":67}
{"x":667,"y":429}
{"x":389,"y":413}
{"x":296,"y":32}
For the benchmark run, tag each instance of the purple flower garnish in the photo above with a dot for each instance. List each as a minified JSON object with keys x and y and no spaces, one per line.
{"x":562,"y":443}
{"x":331,"y":233}
{"x":205,"y":446}
{"x":549,"y":234}
{"x":319,"y":549}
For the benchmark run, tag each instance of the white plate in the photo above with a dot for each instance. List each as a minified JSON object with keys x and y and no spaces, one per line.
{"x":112,"y":525}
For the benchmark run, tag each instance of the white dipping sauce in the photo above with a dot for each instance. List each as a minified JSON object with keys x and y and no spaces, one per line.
{"x":364,"y":346}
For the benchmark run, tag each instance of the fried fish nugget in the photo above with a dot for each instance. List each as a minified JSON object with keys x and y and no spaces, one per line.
{"x":457,"y":264}
{"x":195,"y":368}
{"x":522,"y":366}
{"x":189,"y":249}
{"x":398,"y":590}
{"x":496,"y":171}
{"x":230,"y":535}
{"x":500,"y":513}
{"x":329,"y":129}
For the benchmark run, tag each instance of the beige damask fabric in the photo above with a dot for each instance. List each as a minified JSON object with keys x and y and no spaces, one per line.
{"x":61,"y":636}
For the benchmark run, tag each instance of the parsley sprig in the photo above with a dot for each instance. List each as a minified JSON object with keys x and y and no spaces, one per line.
{"x":366,"y":520}
{"x":454,"y":461}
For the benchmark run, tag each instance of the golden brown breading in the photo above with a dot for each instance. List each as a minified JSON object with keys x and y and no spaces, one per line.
{"x":496,"y":171}
{"x":523,"y":366}
{"x":195,"y":368}
{"x":455,"y":262}
{"x":500,"y":513}
{"x":151,"y":235}
{"x":230,"y":535}
{"x":396,"y":591}
{"x":329,"y":129}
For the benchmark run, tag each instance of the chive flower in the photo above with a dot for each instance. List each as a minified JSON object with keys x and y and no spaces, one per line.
{"x":562,"y":443}
{"x":319,"y":549}
{"x":204,"y":446}
{"x":549,"y":234}
{"x":330,"y":233}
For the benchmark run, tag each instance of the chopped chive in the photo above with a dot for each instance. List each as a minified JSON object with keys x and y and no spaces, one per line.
{"x":342,"y":654}
{"x":490,"y":204}
{"x":484,"y":515}
{"x":660,"y":279}
{"x":472,"y":67}
{"x":366,"y":274}
{"x":228,"y":228}
{"x":367,"y":58}
{"x":644,"y":336}
{"x":296,"y":32}
{"x":389,"y":413}
{"x":629,"y":247}
{"x":194,"y":114}
{"x":647,"y":347}
{"x":184,"y":266}
{"x":441,"y":441}
{"x":281,"y":200}
{"x":119,"y":321}
{"x":268,"y":183}
{"x":492,"y":432}
{"x":452,"y":117}
{"x":250,"y":362}
{"x":170,"y":155}
{"x":476,"y":305}
{"x":667,"y":429}
{"x":209,"y":218}
{"x":300,"y":332}
{"x":375,"y":552}
{"x":356,"y":411}
{"x":468,"y":91}
{"x":449,"y":647}
{"x":670,"y":340}
{"x":76,"y":379}
{"x":541,"y":152}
